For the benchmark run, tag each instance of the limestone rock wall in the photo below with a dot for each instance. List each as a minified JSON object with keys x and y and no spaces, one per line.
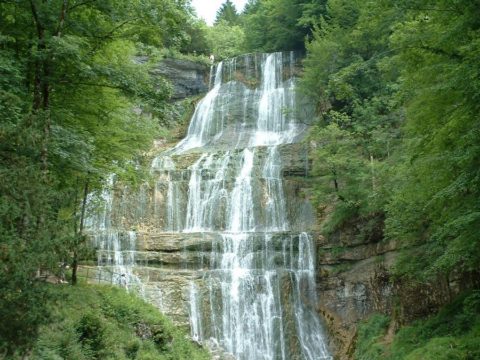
{"x":189,"y":78}
{"x":354,"y":281}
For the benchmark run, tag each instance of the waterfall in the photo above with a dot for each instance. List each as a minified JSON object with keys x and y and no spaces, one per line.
{"x":276,"y":219}
{"x":215,"y":239}
{"x":203,"y":125}
{"x":257,"y":297}
{"x":241,"y":206}
{"x":275,"y":125}
{"x":115,"y":249}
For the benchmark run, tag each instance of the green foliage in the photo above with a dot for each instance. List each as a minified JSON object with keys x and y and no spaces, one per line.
{"x":280,"y":25}
{"x":92,"y":322}
{"x":370,"y":334}
{"x":91,"y":333}
{"x":451,"y":334}
{"x":197,"y":31}
{"x":226,"y":40}
{"x":436,"y":197}
{"x":27,"y":214}
{"x":400,"y":81}
{"x":69,"y":85}
{"x":349,"y":73}
{"x":227,"y":13}
{"x":341,"y":167}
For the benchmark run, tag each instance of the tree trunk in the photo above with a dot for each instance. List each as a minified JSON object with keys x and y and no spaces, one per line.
{"x":335,"y":182}
{"x":41,"y":87}
{"x":79,"y":237}
{"x":75,"y":266}
{"x":37,"y":82}
{"x":41,"y":95}
{"x":372,"y":166}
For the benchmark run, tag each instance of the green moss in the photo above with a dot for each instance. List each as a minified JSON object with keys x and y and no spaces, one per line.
{"x":333,"y":251}
{"x":338,"y":250}
{"x":100,"y":322}
{"x":337,"y":269}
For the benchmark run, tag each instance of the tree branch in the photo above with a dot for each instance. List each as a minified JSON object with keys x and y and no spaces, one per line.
{"x":73,"y":7}
{"x":110,"y":33}
{"x":63,"y":14}
{"x":432,"y":9}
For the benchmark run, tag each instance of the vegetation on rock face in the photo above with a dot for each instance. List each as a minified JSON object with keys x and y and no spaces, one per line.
{"x":451,"y":334}
{"x":100,"y":322}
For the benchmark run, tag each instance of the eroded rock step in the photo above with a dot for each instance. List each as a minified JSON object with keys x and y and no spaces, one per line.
{"x":198,"y":250}
{"x":294,"y":159}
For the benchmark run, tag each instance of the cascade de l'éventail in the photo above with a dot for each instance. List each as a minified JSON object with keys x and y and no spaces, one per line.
{"x":248,"y":262}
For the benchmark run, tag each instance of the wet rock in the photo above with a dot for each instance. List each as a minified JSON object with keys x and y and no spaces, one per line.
{"x":188,"y":77}
{"x":217,"y":352}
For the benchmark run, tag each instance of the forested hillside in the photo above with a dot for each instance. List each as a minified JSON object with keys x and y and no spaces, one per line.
{"x":396,"y":141}
{"x":69,"y":84}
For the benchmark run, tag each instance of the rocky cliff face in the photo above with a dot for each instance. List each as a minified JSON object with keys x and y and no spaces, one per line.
{"x":188,"y":78}
{"x":354,"y":278}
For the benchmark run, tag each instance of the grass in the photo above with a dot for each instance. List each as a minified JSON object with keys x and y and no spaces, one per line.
{"x":102,"y":322}
{"x":452,"y":334}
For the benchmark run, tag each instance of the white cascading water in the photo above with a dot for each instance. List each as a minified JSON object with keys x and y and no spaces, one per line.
{"x":240,"y":214}
{"x":275,"y":125}
{"x":257,"y":298}
{"x":202,"y":124}
{"x":115,"y":249}
{"x":276,"y":219}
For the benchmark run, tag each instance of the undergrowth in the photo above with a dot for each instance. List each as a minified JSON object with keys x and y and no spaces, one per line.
{"x":452,"y":334}
{"x":99,"y":322}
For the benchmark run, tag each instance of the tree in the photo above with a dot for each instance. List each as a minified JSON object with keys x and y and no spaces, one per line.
{"x":342,"y":172}
{"x":227,"y":13}
{"x":401,"y":79}
{"x":350,"y":74}
{"x":435,"y":211}
{"x":280,"y":25}
{"x":226,"y":41}
{"x":68,"y":87}
{"x":197,"y":42}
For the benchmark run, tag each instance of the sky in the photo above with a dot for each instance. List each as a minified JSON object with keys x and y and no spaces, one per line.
{"x":207,"y":9}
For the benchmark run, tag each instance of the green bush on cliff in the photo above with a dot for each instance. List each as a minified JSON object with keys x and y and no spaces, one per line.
{"x":369,"y":336}
{"x":98,"y":322}
{"x":453,"y":333}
